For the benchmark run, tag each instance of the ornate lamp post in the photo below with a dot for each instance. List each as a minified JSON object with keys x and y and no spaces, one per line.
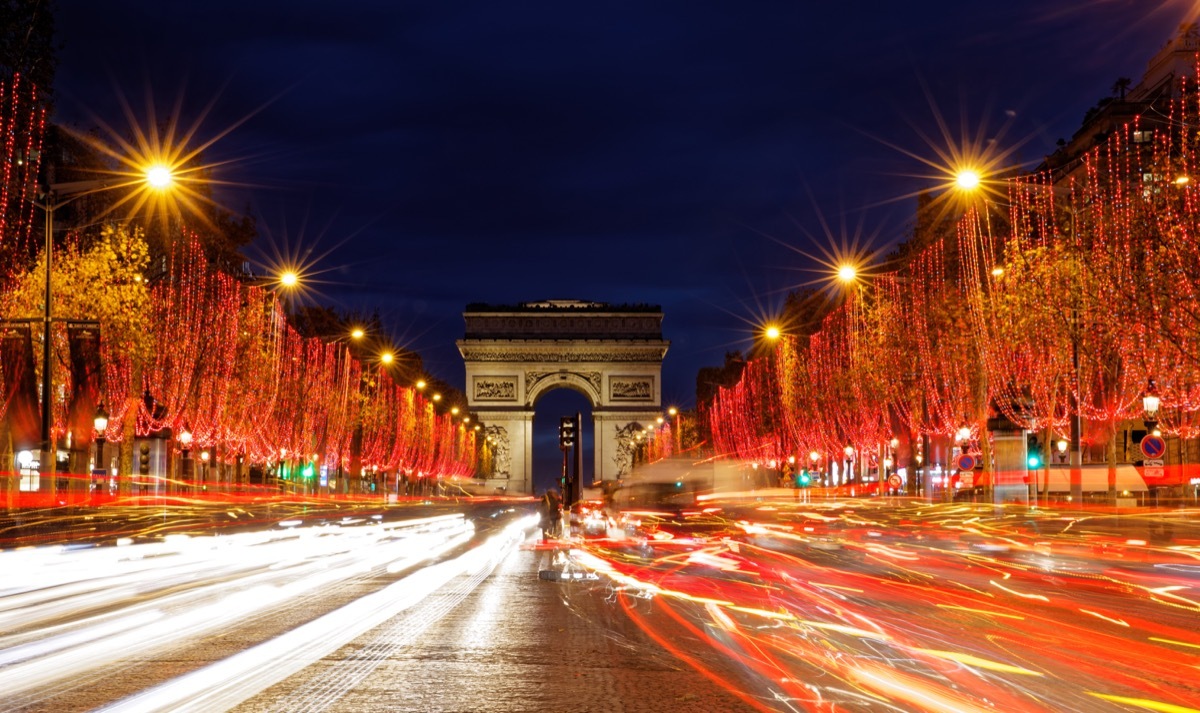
{"x":1150,"y":403}
{"x":100,"y":423}
{"x":185,"y":444}
{"x":204,"y":456}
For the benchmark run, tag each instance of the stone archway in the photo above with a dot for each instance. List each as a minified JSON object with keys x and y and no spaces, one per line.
{"x":515,"y":354}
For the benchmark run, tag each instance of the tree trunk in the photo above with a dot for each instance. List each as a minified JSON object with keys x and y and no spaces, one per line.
{"x":12,"y":478}
{"x":985,"y":446}
{"x":1110,"y":452}
{"x":129,"y":433}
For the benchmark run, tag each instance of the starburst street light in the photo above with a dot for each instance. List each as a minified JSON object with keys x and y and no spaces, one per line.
{"x":289,"y":278}
{"x":847,"y":273}
{"x":772,"y":332}
{"x":967,"y":179}
{"x":159,"y":176}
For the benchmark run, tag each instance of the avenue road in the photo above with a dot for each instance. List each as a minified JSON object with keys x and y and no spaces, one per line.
{"x":753,"y":603}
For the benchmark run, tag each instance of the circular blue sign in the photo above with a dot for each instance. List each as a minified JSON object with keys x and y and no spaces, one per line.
{"x":1153,"y":446}
{"x":966,"y":462}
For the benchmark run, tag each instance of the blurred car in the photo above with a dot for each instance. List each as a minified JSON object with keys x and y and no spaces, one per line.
{"x":589,"y":519}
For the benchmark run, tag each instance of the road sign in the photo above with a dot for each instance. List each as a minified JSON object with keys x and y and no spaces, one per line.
{"x":894,"y":481}
{"x":965,"y":462}
{"x":1154,"y":472}
{"x":1153,"y":446}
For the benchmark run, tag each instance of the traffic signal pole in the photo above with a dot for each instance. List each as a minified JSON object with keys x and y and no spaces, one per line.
{"x":578,"y":456}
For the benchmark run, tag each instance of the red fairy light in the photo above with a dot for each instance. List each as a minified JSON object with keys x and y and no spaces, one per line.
{"x":1063,"y":304}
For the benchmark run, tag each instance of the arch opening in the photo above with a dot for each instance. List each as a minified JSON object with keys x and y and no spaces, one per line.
{"x":552,"y":405}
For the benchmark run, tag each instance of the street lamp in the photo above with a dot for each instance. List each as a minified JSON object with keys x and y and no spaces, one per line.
{"x":185,"y":443}
{"x":1150,"y":403}
{"x":967,"y":180}
{"x":204,"y":468}
{"x":157,"y":177}
{"x":100,"y":423}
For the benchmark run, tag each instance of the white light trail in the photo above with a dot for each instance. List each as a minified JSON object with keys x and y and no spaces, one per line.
{"x":69,"y":611}
{"x":231,"y":681}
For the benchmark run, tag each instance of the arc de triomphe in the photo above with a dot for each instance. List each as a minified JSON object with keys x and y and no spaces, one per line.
{"x":514,"y":354}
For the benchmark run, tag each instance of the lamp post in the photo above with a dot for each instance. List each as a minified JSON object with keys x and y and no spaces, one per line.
{"x":1150,"y":403}
{"x":185,"y":443}
{"x":156,"y":177}
{"x":100,"y":423}
{"x":204,"y":456}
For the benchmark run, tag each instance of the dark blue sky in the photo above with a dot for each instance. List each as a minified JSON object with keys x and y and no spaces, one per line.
{"x":451,"y":152}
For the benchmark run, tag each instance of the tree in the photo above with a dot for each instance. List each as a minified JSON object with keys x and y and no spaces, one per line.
{"x":1120,"y":86}
{"x":105,"y":283}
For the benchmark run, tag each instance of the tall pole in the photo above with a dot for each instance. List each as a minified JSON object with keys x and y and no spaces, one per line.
{"x":48,"y":457}
{"x":578,"y":456}
{"x":1076,"y":454}
{"x":564,"y":483}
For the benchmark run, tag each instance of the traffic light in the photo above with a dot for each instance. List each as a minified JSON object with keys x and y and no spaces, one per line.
{"x":566,"y":432}
{"x":1034,"y":451}
{"x":805,"y":479}
{"x":144,"y":459}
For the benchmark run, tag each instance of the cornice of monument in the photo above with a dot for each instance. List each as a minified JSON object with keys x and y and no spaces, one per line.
{"x":569,"y":351}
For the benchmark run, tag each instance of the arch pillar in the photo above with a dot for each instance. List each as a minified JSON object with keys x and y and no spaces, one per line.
{"x":612,"y":432}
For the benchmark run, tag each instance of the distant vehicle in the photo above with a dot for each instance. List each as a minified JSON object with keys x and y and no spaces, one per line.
{"x":670,"y":496}
{"x":677,"y":484}
{"x":589,"y":519}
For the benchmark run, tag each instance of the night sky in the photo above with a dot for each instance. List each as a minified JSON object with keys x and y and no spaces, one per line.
{"x":676,"y":153}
